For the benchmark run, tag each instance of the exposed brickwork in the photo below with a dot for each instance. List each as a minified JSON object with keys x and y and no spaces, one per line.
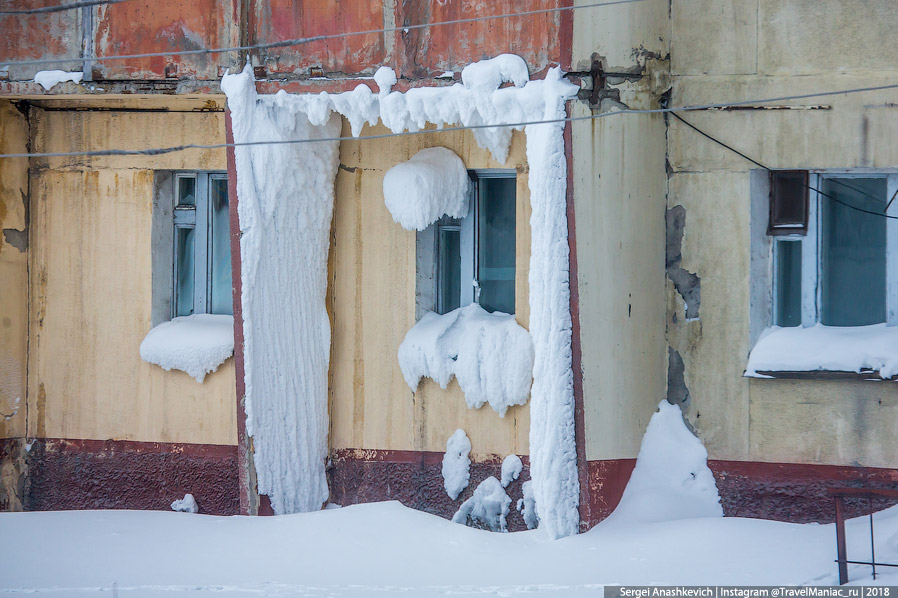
{"x":413,"y":478}
{"x":92,"y":474}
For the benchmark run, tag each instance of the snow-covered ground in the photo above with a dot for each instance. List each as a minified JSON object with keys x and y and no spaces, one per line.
{"x":385,"y":549}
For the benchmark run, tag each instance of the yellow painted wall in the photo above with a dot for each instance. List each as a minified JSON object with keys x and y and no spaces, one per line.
{"x":620,"y":187}
{"x":90,"y":263}
{"x":13,"y":273}
{"x":372,"y":296}
{"x":753,"y":49}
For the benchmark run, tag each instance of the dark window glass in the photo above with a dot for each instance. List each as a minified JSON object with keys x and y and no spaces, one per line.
{"x":186,"y":191}
{"x":220,"y":247}
{"x":496,"y":244}
{"x":853,"y":252}
{"x":449,"y":276}
{"x":788,"y":201}
{"x":184,"y":285}
{"x":788,"y":283}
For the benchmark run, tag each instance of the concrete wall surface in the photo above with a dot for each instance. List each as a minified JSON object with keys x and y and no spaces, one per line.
{"x":90,"y":267}
{"x":372,"y":299}
{"x":619,"y":190}
{"x":743,"y":50}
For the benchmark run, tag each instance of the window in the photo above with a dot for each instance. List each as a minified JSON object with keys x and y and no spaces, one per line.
{"x":191,"y":245}
{"x":467,"y":260}
{"x":839,"y":269}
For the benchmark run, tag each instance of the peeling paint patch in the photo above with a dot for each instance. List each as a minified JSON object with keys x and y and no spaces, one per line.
{"x":16,"y":238}
{"x":688,"y":284}
{"x":677,"y":392}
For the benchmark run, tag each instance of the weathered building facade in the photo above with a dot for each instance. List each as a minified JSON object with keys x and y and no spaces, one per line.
{"x":670,"y":262}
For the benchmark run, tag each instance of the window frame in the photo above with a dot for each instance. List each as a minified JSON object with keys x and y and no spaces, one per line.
{"x":168,"y":219}
{"x":429,"y":279}
{"x":811,"y":255}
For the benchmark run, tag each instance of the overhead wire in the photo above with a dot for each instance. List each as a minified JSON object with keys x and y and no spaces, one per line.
{"x":166,"y":150}
{"x":57,"y":8}
{"x":305,"y":40}
{"x":809,"y":187}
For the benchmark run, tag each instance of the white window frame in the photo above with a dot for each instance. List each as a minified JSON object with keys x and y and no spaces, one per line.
{"x":428,"y":294}
{"x":811,"y":289}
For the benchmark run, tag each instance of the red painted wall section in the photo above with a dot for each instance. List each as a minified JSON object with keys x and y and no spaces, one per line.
{"x":277,"y":20}
{"x":40,"y":36}
{"x":424,"y":53}
{"x":779,"y":491}
{"x":143,"y":26}
{"x":413,"y":478}
{"x":97,"y":474}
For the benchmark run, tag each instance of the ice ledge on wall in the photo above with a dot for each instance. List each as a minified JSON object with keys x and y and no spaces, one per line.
{"x":491,"y":355}
{"x":826,"y":348}
{"x":195,"y":344}
{"x":432,"y":183}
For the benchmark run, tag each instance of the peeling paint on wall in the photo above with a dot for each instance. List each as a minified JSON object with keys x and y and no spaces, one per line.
{"x":688,"y":284}
{"x":677,"y":392}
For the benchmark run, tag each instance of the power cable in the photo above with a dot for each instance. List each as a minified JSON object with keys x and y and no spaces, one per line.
{"x":305,"y":40}
{"x":57,"y":8}
{"x":768,"y":169}
{"x":177,"y":148}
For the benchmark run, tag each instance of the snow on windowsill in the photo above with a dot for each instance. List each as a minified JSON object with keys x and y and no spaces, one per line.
{"x":195,"y":344}
{"x":830,"y":351}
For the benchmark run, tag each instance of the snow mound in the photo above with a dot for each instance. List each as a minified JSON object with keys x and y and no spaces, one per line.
{"x":432,"y":183}
{"x":511,"y":469}
{"x":385,"y":77}
{"x":489,"y":353}
{"x":487,"y":508}
{"x":671,"y":480}
{"x":830,"y":348}
{"x":456,"y":464}
{"x":490,"y":74}
{"x":195,"y":344}
{"x":185,"y":505}
{"x":47,"y":79}
{"x":527,"y":506}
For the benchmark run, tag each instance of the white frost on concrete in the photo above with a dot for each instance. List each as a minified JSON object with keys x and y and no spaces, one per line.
{"x":196,"y":344}
{"x":671,"y":479}
{"x":276,"y":186}
{"x":47,"y":79}
{"x":456,"y":464}
{"x":286,"y":202}
{"x":827,"y":348}
{"x":185,"y":505}
{"x":527,"y":506}
{"x":487,"y":508}
{"x":430,"y":184}
{"x":511,"y":469}
{"x":490,"y":354}
{"x":553,"y":453}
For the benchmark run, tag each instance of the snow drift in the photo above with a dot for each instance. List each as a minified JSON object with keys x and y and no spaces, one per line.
{"x":432,"y":183}
{"x":671,"y":479}
{"x":491,"y":355}
{"x":196,"y":344}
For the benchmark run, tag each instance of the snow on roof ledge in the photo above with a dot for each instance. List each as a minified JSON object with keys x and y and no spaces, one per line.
{"x":432,"y":183}
{"x":195,"y":344}
{"x":48,"y":79}
{"x":826,"y":348}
